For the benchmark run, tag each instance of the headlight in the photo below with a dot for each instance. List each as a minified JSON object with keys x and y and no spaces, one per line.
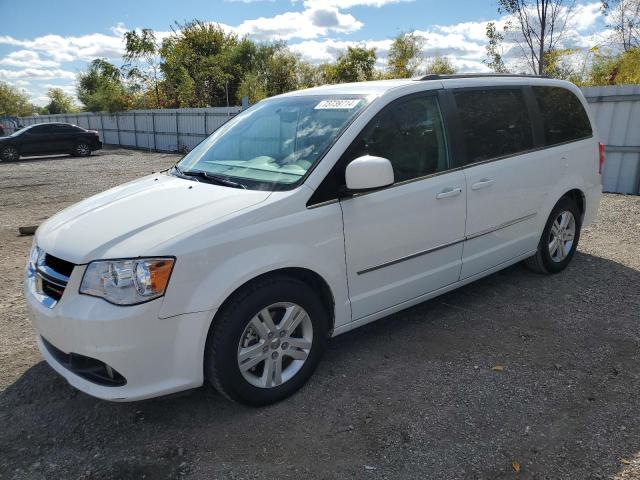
{"x":127,"y":282}
{"x":33,"y":256}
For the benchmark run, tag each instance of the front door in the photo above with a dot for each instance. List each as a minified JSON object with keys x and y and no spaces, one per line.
{"x":405,"y":240}
{"x":38,"y":140}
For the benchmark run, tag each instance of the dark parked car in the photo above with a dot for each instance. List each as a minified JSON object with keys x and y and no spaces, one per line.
{"x":48,"y":138}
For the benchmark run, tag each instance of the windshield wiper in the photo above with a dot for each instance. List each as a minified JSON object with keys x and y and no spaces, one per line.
{"x":209,"y":177}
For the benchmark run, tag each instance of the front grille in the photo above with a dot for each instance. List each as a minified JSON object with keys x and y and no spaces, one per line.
{"x":58,"y":265}
{"x":51,"y":289}
{"x":52,"y":276}
{"x":88,"y":368}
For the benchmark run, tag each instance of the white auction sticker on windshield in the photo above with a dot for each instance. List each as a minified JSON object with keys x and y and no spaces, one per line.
{"x":337,"y":104}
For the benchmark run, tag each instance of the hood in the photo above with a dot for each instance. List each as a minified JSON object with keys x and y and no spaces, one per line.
{"x":129,"y":220}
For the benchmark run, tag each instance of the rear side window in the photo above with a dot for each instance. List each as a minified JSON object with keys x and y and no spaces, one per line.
{"x":563,"y":116}
{"x":410,"y":134}
{"x":66,"y":129}
{"x":495,"y":122}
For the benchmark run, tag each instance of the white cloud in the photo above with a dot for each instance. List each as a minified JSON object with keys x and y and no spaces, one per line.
{"x":319,"y":51}
{"x":26,"y":58}
{"x":69,"y":88}
{"x":67,"y":49}
{"x":40,"y":100}
{"x":310,"y":23}
{"x":585,"y":16}
{"x":36,"y":74}
{"x":345,"y":4}
{"x":476,"y":31}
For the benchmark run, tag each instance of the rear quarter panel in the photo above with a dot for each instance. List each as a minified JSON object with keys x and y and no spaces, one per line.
{"x":580,"y":167}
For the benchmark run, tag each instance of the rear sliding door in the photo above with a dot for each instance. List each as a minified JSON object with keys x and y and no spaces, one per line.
{"x":507,"y":174}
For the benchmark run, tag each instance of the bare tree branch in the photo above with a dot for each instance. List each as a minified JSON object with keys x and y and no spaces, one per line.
{"x":540,"y":26}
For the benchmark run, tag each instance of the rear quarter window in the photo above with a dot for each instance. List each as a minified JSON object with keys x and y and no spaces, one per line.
{"x":564,"y":119}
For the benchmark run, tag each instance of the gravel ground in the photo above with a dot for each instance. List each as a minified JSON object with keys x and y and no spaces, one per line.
{"x":415,"y":395}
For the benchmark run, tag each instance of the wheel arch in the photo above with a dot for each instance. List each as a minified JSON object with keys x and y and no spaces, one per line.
{"x":313,"y":279}
{"x":11,"y":144}
{"x":579,"y":197}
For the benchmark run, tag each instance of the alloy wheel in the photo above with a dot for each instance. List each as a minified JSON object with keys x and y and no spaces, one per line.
{"x":561,"y":236}
{"x":275,"y":344}
{"x":9,"y":154}
{"x":83,"y":149}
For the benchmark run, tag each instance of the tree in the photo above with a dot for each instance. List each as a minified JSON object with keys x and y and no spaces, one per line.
{"x":405,"y":55}
{"x":558,"y":64}
{"x":494,"y":49}
{"x":623,"y":18}
{"x":251,"y":87}
{"x":308,"y":75}
{"x":440,"y":65}
{"x":539,"y":26}
{"x":61,"y":102}
{"x":615,"y":70}
{"x":281,"y":72}
{"x":355,"y":65}
{"x":100,"y":88}
{"x":198,"y":64}
{"x":141,"y":56}
{"x":15,"y":103}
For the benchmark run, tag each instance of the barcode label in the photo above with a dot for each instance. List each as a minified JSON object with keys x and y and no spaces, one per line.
{"x":337,"y":104}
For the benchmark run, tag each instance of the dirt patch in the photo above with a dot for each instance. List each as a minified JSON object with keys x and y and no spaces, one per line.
{"x":411,"y":396}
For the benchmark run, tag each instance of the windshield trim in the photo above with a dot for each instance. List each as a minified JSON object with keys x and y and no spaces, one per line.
{"x":251,"y":184}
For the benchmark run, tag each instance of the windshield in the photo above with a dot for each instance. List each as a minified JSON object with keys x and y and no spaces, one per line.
{"x":272,"y":145}
{"x":18,"y":132}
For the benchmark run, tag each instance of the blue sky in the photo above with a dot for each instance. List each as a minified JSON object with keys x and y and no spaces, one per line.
{"x":46,"y":43}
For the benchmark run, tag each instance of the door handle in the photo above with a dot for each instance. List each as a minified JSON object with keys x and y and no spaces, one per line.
{"x":449,"y":192}
{"x":482,"y":183}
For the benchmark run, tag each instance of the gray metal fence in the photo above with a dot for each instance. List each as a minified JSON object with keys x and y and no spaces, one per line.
{"x":169,"y":130}
{"x":616,"y":110}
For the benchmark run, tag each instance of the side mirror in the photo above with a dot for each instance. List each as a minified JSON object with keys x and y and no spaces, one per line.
{"x":368,"y":172}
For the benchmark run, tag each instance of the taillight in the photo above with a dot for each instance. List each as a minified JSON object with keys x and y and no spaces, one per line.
{"x":602,"y":158}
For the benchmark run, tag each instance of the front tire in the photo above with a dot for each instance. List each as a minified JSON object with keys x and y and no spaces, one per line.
{"x":559,"y":239}
{"x":266,"y":341}
{"x":81,"y":150}
{"x":9,"y":154}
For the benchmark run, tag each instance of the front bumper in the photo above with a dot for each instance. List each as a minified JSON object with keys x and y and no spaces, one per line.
{"x":155,"y":356}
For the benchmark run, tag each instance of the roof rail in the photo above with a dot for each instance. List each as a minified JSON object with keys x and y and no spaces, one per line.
{"x":436,"y":76}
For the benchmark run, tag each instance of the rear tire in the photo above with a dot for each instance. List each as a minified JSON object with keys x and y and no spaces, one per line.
{"x":9,"y":154}
{"x":81,"y":150}
{"x":559,"y":239}
{"x":266,"y":341}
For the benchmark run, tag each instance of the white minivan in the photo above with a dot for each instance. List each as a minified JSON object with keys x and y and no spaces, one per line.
{"x":305,"y":216}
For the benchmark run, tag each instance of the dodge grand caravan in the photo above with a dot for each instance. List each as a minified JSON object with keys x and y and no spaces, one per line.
{"x":305,"y":216}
